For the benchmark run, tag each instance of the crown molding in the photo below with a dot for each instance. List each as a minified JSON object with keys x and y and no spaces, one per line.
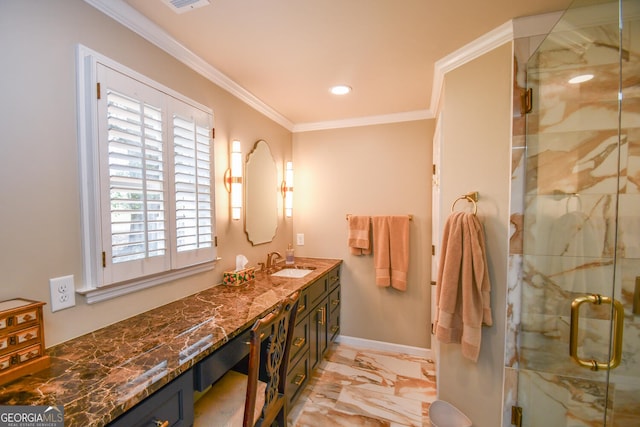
{"x":364,"y":121}
{"x":489,"y":41}
{"x":126,"y":15}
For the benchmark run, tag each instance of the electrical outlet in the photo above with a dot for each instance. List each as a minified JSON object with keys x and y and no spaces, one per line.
{"x":62,"y":293}
{"x":300,"y":239}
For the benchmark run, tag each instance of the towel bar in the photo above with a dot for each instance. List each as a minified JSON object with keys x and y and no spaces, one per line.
{"x":471,"y":197}
{"x":410,"y":217}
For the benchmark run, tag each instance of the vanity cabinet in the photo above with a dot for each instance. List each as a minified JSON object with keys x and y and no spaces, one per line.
{"x":171,"y":406}
{"x":317,"y":325}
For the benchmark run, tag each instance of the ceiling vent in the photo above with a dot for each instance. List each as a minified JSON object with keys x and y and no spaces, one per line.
{"x":182,"y":6}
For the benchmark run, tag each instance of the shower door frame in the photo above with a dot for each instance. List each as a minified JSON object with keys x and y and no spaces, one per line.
{"x":530,"y":378}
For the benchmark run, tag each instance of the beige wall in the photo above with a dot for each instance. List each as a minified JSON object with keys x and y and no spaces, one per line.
{"x":40,"y":214}
{"x":476,"y":157}
{"x":372,"y":170}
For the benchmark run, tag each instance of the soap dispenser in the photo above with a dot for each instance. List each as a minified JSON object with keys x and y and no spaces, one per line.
{"x":289,"y":259}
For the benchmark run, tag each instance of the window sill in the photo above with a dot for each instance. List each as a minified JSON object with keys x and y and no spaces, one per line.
{"x":93,"y":295}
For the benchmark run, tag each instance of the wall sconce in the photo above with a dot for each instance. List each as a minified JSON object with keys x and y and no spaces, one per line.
{"x":233,"y":180}
{"x":287,"y":190}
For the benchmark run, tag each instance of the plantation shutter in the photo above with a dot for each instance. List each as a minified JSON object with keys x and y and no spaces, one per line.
{"x":133,"y":177}
{"x":192,"y":186}
{"x":146,"y":167}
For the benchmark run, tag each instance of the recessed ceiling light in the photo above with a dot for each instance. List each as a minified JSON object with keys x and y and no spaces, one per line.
{"x":340,"y":90}
{"x":581,"y":78}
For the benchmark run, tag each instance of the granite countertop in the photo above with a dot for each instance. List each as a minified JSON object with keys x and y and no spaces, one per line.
{"x":101,"y":375}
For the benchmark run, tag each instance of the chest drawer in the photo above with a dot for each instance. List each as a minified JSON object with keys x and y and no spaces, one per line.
{"x":19,"y":339}
{"x":17,"y":319}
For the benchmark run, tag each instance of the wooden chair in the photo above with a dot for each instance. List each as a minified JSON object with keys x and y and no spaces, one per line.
{"x":257,"y":398}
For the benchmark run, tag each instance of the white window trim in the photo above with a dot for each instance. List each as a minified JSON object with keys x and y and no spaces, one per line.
{"x":92,"y":289}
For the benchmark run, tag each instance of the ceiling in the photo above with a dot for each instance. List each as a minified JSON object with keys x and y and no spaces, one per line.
{"x":283,"y":55}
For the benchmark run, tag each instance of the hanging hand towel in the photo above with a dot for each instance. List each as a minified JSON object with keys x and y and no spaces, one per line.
{"x":448,"y":318}
{"x":399,"y":251}
{"x":463,"y":286}
{"x":359,"y":243}
{"x":381,"y":260}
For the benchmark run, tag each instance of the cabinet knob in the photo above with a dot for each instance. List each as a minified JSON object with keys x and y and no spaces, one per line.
{"x":299,"y":342}
{"x":161,"y":423}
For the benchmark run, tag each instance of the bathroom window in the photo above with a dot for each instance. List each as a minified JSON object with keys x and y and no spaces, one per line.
{"x":146,"y":169}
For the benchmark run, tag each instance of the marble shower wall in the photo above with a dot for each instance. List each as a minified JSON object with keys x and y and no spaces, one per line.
{"x":571,"y":232}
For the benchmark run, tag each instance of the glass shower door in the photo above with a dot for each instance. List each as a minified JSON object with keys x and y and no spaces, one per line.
{"x":580,"y":327}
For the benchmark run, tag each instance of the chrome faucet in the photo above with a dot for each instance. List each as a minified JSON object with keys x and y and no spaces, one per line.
{"x":271,"y":256}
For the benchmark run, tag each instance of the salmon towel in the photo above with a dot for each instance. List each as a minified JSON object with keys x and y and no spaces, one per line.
{"x":463,"y":286}
{"x":399,"y":251}
{"x":391,"y":250}
{"x":381,"y":260}
{"x":359,"y":230}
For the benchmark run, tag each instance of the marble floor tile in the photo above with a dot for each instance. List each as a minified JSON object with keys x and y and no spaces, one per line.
{"x":362,"y":387}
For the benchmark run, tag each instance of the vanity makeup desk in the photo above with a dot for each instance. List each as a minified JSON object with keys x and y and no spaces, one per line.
{"x":144,"y":370}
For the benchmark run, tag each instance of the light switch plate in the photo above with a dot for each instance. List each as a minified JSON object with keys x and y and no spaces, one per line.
{"x":62,"y":293}
{"x":300,"y":239}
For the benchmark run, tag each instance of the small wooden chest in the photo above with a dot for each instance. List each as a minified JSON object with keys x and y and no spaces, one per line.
{"x":22,"y":350}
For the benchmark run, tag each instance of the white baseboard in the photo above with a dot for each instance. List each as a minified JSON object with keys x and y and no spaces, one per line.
{"x":385,"y":346}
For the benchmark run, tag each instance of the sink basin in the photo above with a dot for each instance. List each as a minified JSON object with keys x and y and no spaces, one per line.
{"x":292,"y":273}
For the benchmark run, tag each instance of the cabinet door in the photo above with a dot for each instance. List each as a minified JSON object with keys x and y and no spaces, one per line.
{"x":319,"y":332}
{"x":172,"y":404}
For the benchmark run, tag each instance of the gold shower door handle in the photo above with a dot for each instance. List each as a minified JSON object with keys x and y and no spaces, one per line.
{"x":618,"y":324}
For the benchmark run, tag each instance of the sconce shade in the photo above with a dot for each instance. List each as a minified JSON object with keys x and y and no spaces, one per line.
{"x":233,"y":180}
{"x":287,"y":190}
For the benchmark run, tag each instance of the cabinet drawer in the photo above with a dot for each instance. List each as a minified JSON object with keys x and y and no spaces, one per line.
{"x":334,"y":326}
{"x":317,"y":291}
{"x":217,"y":364}
{"x":334,"y":300}
{"x":172,"y":403}
{"x":297,"y":378}
{"x":303,"y":305}
{"x":300,"y":341}
{"x":333,"y":277}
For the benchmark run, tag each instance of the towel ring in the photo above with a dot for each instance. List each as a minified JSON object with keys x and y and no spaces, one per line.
{"x":470,"y":197}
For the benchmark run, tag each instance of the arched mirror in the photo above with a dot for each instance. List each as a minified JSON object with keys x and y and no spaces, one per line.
{"x":261,"y":195}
